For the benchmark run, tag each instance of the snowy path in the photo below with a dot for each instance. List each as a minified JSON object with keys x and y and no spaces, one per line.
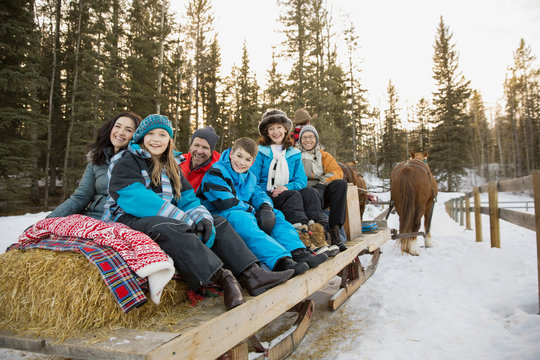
{"x":457,"y":300}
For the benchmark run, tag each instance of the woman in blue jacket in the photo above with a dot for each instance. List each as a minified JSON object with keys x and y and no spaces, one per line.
{"x":90,"y":196}
{"x":149,"y":194}
{"x":279,"y":171}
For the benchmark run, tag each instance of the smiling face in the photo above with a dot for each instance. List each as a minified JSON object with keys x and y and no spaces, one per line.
{"x":156,"y":141}
{"x":276,"y":133}
{"x":200,"y":152}
{"x":241,"y":160}
{"x":308,"y":140}
{"x":122,"y":133}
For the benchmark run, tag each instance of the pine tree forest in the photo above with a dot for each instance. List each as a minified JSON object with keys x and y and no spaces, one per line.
{"x":66,"y":66}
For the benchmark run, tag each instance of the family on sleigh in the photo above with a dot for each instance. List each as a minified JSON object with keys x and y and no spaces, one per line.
{"x":251,"y":217}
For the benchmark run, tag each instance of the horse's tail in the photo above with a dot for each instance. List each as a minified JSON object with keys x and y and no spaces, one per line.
{"x":407,"y":204}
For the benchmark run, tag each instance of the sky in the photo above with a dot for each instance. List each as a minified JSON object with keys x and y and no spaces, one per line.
{"x":458,"y":300}
{"x":396,"y":39}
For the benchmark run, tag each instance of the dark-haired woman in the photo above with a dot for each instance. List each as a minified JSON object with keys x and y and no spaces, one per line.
{"x":89,"y":198}
{"x":279,"y":170}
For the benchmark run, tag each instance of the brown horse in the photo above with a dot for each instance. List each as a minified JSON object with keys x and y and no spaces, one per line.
{"x":351,"y":175}
{"x":413,"y":190}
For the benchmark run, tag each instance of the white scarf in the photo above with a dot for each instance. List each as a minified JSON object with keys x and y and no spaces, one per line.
{"x":278,"y":173}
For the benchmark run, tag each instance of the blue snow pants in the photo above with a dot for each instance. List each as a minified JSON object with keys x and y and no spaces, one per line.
{"x":267,"y":248}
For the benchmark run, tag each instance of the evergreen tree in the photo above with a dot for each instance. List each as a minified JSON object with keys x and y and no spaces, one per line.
{"x":480,"y":136}
{"x":143,"y":59}
{"x":246,"y":109}
{"x":21,"y":122}
{"x":449,"y":100}
{"x":522,"y":94}
{"x":211,"y":81}
{"x":392,"y":148}
{"x":199,"y":30}
{"x":274,"y":94}
{"x":419,"y":138}
{"x":296,"y":29}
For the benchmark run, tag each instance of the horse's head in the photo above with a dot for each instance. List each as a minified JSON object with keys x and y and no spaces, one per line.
{"x":419,"y":156}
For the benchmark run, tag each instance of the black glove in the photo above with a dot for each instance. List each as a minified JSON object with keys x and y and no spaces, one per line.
{"x":265,"y":218}
{"x":205,"y":228}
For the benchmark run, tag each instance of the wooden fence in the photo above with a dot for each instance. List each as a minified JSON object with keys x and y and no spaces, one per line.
{"x":460,"y":210}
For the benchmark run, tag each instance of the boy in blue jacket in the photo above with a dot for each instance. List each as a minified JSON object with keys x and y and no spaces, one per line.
{"x":228,"y":189}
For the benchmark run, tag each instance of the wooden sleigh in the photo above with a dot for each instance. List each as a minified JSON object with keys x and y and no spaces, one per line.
{"x":234,"y":334}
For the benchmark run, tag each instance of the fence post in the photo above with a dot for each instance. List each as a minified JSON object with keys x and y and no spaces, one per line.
{"x":477,"y":214}
{"x":536,"y":194}
{"x":461,"y":211}
{"x":467,"y":213}
{"x":455,"y":207}
{"x":494,"y":214}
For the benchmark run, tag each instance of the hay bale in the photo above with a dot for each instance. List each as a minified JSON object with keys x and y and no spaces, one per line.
{"x":61,"y":294}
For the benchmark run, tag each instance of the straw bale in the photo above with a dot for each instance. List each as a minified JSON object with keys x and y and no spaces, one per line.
{"x":61,"y":295}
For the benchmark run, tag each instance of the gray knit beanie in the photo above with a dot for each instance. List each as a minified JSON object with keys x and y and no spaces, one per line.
{"x":308,"y":128}
{"x":207,"y":133}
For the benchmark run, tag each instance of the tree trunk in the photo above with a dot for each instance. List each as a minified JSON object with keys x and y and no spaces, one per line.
{"x":49,"y":119}
{"x":160,"y":71}
{"x":65,"y":185}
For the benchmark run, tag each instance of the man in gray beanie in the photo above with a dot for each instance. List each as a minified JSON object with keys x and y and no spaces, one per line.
{"x":201,"y":155}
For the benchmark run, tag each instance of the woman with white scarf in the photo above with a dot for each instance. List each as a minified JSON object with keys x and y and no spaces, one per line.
{"x":279,"y":170}
{"x":324,"y":175}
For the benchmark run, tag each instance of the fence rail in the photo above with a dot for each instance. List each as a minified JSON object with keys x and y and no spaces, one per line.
{"x":460,"y":209}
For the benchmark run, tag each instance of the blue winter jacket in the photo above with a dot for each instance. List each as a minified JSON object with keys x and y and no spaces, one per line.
{"x":90,"y":196}
{"x":223,"y":189}
{"x":132,"y":192}
{"x":261,"y":167}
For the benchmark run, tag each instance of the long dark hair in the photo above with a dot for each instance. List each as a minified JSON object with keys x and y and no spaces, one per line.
{"x":103,"y":139}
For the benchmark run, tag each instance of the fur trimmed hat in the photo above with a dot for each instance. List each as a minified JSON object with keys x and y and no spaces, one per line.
{"x":301,"y":116}
{"x":272,"y":117}
{"x":207,"y":133}
{"x":311,"y":129}
{"x":152,"y":122}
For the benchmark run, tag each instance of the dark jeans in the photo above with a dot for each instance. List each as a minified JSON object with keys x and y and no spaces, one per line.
{"x":192,"y":258}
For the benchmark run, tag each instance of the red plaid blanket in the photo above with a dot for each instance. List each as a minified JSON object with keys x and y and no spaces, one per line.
{"x":138,"y":250}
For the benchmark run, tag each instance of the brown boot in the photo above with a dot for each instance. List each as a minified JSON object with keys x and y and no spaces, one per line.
{"x":231,"y":289}
{"x":335,"y":239}
{"x":256,"y":280}
{"x":303,"y":233}
{"x":318,"y":236}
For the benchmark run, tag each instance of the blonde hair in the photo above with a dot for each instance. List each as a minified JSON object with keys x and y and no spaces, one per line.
{"x":167,"y":161}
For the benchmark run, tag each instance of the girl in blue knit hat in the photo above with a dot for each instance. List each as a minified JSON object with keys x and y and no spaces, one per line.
{"x":149,"y":193}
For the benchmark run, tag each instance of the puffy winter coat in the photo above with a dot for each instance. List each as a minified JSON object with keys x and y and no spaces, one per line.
{"x":90,"y":196}
{"x":320,"y":167}
{"x":132,"y":192}
{"x":195,"y":176}
{"x":261,"y":167}
{"x":223,"y":189}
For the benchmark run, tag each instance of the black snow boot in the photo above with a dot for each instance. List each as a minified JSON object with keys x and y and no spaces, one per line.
{"x":307,"y":256}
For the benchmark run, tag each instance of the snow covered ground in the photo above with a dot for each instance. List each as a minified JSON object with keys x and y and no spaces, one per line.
{"x":457,"y":300}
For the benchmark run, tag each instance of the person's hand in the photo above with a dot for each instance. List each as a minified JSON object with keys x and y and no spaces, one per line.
{"x":206,"y":229}
{"x":320,"y":187}
{"x":278,"y":190}
{"x":266,"y":218}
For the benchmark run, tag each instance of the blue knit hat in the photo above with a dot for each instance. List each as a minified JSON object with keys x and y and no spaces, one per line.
{"x":152,"y":122}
